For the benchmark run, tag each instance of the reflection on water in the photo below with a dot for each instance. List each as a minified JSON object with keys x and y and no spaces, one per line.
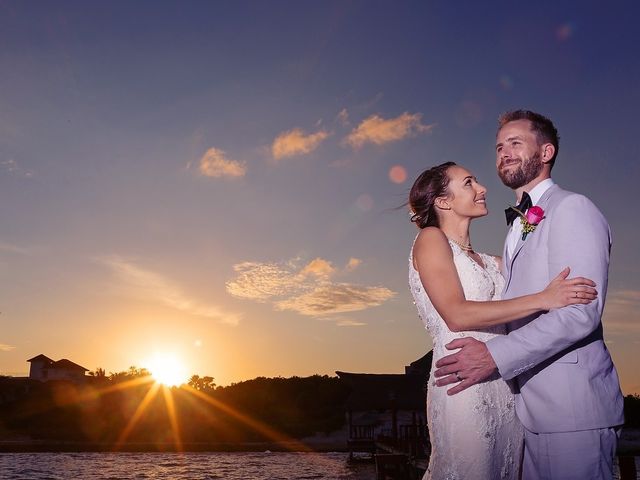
{"x":186,"y":466}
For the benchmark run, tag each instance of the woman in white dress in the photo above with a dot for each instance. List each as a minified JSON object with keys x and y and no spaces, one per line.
{"x":474,"y":434}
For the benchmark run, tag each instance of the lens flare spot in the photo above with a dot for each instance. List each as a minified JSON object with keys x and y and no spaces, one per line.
{"x":565,"y":32}
{"x":397,"y":174}
{"x":364,"y":202}
{"x":506,"y":82}
{"x":469,"y":114}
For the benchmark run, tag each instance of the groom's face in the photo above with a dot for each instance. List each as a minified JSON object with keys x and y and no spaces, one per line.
{"x":517,"y":154}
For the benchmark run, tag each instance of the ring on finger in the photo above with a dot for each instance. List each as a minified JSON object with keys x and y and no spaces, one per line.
{"x":458,"y":376}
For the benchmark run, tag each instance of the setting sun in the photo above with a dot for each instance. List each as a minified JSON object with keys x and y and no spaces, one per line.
{"x":168,"y":370}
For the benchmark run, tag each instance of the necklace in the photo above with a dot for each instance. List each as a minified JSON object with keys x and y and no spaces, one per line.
{"x":466,"y":248}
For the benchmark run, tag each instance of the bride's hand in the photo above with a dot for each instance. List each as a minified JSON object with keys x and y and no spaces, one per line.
{"x":562,"y":292}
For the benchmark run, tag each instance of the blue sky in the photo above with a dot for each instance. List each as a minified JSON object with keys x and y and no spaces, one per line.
{"x":216,"y":179}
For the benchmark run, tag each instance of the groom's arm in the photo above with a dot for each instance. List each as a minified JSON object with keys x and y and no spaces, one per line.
{"x":579,"y":238}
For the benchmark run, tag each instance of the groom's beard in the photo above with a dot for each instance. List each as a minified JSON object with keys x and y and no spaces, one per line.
{"x":528,"y":169}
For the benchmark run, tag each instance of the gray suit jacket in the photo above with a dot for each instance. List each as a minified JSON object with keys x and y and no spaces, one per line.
{"x":565,"y":378}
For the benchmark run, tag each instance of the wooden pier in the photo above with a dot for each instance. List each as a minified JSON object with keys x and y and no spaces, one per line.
{"x":406,"y":455}
{"x":399,"y":454}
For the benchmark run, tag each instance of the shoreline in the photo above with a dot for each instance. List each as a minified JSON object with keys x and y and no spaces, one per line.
{"x":47,"y":446}
{"x":628,"y":445}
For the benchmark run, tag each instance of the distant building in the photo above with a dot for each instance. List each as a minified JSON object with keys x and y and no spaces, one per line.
{"x":387,"y":406}
{"x":44,"y":369}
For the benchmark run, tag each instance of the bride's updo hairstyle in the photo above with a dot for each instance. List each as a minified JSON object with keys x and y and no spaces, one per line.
{"x":431,"y":184}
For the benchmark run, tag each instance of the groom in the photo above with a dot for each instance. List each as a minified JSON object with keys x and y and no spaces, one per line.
{"x":567,"y":391}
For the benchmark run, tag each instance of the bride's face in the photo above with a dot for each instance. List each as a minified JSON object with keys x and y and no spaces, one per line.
{"x":467,"y":197}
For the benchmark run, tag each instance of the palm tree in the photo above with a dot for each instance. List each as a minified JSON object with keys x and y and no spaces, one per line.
{"x":202,"y":384}
{"x":98,"y":373}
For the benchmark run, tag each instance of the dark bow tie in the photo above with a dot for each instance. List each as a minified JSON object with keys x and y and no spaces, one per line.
{"x":523,"y":206}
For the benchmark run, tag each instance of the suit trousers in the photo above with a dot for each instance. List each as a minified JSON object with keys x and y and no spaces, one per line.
{"x":582,"y":455}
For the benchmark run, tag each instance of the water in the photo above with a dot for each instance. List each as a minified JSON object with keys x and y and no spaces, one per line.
{"x":185,"y":466}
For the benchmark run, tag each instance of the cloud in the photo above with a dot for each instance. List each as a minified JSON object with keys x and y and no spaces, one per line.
{"x":625,"y":297}
{"x":348,"y":322}
{"x":262,"y":281}
{"x":6,"y":348}
{"x":379,"y":131}
{"x":343,"y":117}
{"x":621,"y":312}
{"x":214,"y":163}
{"x":319,"y":267}
{"x":305,"y":288}
{"x":295,"y":142}
{"x":10,"y":248}
{"x":153,"y":286}
{"x":12,"y":167}
{"x":336,"y":298}
{"x":352,"y":264}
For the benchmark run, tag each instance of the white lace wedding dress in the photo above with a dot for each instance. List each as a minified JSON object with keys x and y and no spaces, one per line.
{"x":474,"y":434}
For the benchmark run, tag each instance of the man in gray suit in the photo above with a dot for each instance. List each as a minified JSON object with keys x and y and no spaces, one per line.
{"x":567,"y":390}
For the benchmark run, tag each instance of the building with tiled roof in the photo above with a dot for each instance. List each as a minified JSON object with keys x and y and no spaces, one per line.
{"x":44,"y":369}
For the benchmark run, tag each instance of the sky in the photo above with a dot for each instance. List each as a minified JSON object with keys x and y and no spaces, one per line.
{"x":220,"y":181}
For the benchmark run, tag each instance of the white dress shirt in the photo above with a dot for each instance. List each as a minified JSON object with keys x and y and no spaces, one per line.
{"x":516,"y":227}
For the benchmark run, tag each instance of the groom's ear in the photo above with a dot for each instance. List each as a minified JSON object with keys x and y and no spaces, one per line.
{"x":442,"y":203}
{"x":548,"y":151}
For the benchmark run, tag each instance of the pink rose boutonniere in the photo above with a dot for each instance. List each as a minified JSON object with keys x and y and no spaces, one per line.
{"x":530,"y":219}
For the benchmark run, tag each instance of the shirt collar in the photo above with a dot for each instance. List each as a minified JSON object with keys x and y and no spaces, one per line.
{"x":537,"y":191}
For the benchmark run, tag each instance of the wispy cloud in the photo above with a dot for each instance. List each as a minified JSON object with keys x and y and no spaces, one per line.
{"x":214,"y":163}
{"x":380,"y":131}
{"x":10,"y":248}
{"x":306,"y":288}
{"x":336,"y":298}
{"x":264,"y":281}
{"x":624,"y":297}
{"x":11,"y":166}
{"x":621,"y":315}
{"x":352,"y":264}
{"x":154,"y":286}
{"x":6,"y":348}
{"x":348,"y":322}
{"x":296,"y":142}
{"x":343,"y":117}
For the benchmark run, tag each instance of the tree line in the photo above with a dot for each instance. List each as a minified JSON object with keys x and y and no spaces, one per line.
{"x":127,"y":407}
{"x":118,"y":410}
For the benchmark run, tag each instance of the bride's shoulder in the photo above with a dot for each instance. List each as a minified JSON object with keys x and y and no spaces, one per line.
{"x":431,"y":235}
{"x":431,"y":239}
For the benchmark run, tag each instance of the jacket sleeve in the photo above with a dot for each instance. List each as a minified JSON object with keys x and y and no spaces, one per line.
{"x":579,"y":238}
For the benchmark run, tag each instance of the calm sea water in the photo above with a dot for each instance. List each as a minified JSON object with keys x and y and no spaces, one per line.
{"x":186,"y":466}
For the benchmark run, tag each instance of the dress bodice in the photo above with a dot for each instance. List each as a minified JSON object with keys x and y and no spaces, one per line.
{"x":479,"y":283}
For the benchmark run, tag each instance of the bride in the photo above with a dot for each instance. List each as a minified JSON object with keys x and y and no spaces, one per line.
{"x":474,"y":434}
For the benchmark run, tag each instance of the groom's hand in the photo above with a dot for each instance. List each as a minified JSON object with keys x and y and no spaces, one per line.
{"x":473,"y":363}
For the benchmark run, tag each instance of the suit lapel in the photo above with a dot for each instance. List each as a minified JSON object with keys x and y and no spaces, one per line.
{"x":506,"y":259}
{"x":542,"y":203}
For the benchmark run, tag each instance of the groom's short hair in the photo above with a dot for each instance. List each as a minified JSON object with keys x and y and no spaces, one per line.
{"x":544,"y":129}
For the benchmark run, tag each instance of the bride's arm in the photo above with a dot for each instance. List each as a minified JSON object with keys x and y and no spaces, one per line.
{"x":433,"y":259}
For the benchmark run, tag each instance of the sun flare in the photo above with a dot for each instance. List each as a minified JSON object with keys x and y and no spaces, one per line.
{"x":168,"y":369}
